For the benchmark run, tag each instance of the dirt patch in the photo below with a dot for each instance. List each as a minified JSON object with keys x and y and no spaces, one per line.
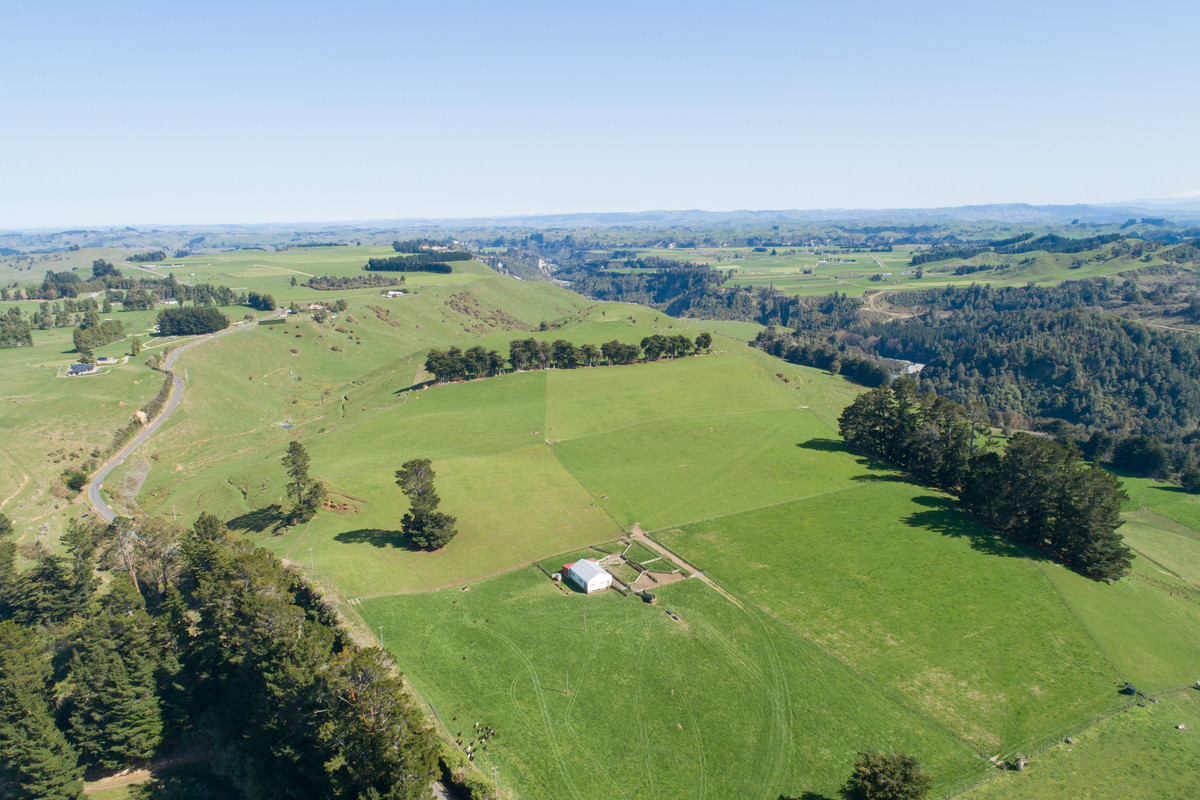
{"x":341,"y":507}
{"x":650,"y":580}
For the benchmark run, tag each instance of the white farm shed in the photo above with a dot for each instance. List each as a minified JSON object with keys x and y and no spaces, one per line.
{"x":589,"y":576}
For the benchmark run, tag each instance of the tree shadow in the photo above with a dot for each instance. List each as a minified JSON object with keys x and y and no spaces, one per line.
{"x":945,"y":517}
{"x":272,"y":517}
{"x":838,"y":446}
{"x":869,"y":478}
{"x":377,"y":537}
{"x":416,"y":387}
{"x":805,"y":796}
{"x":824,"y":445}
{"x":1174,"y":489}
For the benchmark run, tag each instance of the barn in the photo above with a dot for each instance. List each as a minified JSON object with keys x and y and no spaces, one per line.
{"x":588,"y":575}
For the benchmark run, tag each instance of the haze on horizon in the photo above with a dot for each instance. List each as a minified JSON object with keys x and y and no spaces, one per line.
{"x":140,"y":113}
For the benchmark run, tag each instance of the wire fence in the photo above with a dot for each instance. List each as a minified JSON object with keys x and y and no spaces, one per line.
{"x":1034,"y":745}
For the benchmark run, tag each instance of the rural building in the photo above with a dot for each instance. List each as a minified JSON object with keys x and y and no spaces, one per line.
{"x":80,"y":369}
{"x":394,"y":293}
{"x":588,"y":575}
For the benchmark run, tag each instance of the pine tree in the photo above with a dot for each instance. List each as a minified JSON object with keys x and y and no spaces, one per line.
{"x":36,"y":762}
{"x":115,"y":717}
{"x":8,"y":564}
{"x":425,"y":526}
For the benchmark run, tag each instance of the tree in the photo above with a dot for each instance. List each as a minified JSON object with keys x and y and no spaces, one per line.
{"x":115,"y":717}
{"x":703,"y":341}
{"x":36,"y":762}
{"x":8,"y":565}
{"x":1141,"y":455}
{"x":135,"y":347}
{"x":1189,"y":479}
{"x":883,"y":777}
{"x":425,"y":526}
{"x":307,"y":493}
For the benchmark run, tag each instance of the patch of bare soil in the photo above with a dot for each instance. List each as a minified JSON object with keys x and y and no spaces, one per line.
{"x":647,"y":581}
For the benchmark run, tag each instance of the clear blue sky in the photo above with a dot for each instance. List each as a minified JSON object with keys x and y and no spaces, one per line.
{"x":133,"y":113}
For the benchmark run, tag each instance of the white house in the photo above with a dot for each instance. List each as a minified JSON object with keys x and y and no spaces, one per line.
{"x":589,"y":575}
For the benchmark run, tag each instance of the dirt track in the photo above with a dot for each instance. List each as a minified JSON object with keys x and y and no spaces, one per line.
{"x":639,"y":535}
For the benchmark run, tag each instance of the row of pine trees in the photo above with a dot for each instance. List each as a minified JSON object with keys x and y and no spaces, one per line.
{"x":1036,"y":491}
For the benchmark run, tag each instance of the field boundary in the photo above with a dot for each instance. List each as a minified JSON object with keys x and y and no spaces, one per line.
{"x":1080,"y":725}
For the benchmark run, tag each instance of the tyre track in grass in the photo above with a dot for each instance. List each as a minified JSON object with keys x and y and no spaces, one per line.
{"x":554,"y":747}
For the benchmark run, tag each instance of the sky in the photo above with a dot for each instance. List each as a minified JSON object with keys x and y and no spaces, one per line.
{"x":219,"y":112}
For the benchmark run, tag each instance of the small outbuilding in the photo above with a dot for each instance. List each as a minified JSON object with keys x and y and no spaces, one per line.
{"x":588,"y":575}
{"x":80,"y":369}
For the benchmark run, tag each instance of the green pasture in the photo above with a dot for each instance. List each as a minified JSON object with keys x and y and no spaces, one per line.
{"x":869,"y":612}
{"x":52,"y":423}
{"x":894,"y":581}
{"x":817,"y":271}
{"x":1137,"y":753}
{"x":639,"y":703}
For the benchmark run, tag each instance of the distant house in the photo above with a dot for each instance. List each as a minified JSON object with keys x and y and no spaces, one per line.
{"x":170,"y":301}
{"x":395,"y":293}
{"x":316,"y":306}
{"x":80,"y":369}
{"x":588,"y":575}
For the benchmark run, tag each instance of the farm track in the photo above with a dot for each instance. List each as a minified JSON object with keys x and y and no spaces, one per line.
{"x":92,"y":489}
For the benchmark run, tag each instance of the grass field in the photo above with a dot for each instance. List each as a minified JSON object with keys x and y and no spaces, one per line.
{"x":1140,"y":753}
{"x":856,"y":609}
{"x":817,"y":271}
{"x":649,"y":710}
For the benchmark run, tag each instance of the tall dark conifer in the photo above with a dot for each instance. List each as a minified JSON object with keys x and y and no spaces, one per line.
{"x":36,"y":762}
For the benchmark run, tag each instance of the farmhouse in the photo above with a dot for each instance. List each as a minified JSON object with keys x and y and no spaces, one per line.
{"x":588,"y":575}
{"x":80,"y":369}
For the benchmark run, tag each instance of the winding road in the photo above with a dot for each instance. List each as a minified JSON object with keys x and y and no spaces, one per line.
{"x":102,"y":508}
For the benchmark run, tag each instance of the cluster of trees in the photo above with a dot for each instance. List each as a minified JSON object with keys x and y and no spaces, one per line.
{"x":263,"y":302}
{"x":456,"y":365}
{"x":15,"y":330}
{"x":197,"y":638}
{"x":147,"y":258}
{"x":1037,"y":356}
{"x":93,"y":333}
{"x":66,"y":314}
{"x":423,"y":525}
{"x":418,"y":262}
{"x":1023,"y":243}
{"x":191,"y":321}
{"x":827,"y":354}
{"x":1037,"y":491}
{"x":103,"y":269}
{"x":477,"y":362}
{"x":329,"y":283}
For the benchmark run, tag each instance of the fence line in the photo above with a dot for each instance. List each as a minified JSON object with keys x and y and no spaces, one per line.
{"x":1035,"y":745}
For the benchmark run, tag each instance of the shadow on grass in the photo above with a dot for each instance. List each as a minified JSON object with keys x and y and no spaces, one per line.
{"x":1172,"y":489}
{"x":893,"y":478}
{"x":272,"y":517}
{"x":416,"y":387}
{"x":376,"y":537}
{"x":824,"y":445}
{"x":944,"y":516}
{"x":805,"y":796}
{"x":838,"y":446}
